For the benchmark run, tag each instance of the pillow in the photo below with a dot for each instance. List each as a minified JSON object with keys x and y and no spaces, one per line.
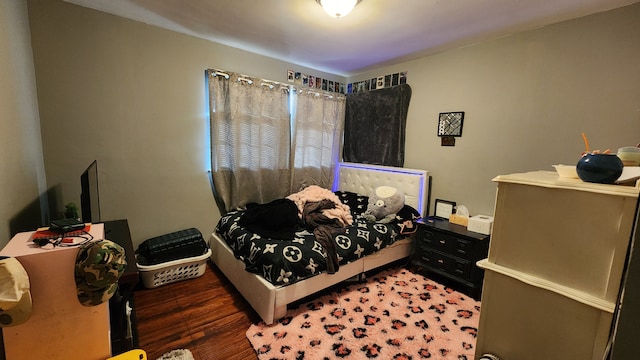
{"x":405,"y":220}
{"x":356,"y":202}
{"x":408,"y":213}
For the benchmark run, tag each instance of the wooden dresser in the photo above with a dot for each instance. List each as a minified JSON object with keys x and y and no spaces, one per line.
{"x":555,"y":264}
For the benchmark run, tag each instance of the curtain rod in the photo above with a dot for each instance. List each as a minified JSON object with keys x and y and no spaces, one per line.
{"x":219,"y":73}
{"x":246,"y":78}
{"x":270,"y":83}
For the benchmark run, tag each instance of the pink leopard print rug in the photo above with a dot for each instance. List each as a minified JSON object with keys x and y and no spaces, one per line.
{"x":396,"y":314}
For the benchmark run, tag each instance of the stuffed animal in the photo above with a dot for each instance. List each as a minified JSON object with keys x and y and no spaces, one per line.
{"x":383,"y":204}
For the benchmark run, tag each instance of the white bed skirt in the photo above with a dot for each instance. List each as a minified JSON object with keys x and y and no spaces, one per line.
{"x":270,"y":302}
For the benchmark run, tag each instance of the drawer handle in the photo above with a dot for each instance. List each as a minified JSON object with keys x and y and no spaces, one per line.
{"x":442,"y":241}
{"x":441,"y":261}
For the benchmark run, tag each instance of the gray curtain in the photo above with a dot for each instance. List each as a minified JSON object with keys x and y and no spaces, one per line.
{"x":375,"y":126}
{"x":254,"y":157}
{"x":318,"y":129}
{"x":250,"y":139}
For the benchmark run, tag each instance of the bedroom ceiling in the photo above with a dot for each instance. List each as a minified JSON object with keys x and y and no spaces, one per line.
{"x":377,"y":32}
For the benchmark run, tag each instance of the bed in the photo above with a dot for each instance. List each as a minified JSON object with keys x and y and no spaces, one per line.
{"x":268,"y":297}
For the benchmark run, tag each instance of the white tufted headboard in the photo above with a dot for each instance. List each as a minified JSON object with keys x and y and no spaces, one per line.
{"x":364,"y":178}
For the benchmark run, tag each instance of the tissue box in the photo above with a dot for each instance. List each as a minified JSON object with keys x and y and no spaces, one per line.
{"x":459,"y":220}
{"x":480,"y":224}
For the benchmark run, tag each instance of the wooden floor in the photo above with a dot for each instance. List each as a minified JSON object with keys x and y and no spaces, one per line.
{"x":205,"y":315}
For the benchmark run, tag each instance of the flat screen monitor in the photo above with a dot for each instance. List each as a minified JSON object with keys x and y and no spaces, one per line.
{"x":90,"y":197}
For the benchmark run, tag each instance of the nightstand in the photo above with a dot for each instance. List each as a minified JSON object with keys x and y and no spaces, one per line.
{"x":450,"y":252}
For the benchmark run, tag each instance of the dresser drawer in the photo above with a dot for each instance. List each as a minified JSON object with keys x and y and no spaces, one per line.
{"x":447,"y":264}
{"x":451,"y":245}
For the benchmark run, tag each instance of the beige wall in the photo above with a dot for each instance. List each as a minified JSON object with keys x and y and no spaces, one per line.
{"x":22,"y":178}
{"x":132,"y":96}
{"x":527,"y":98}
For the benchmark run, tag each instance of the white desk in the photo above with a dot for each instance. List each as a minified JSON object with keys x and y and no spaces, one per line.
{"x":59,"y":326}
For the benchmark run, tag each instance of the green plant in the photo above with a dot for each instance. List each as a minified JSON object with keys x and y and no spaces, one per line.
{"x":71,"y":211}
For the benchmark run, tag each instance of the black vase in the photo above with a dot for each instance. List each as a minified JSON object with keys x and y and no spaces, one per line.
{"x":599,"y":168}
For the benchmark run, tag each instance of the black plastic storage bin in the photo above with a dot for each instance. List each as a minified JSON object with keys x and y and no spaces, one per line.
{"x":173,"y":246}
{"x":177,"y":256}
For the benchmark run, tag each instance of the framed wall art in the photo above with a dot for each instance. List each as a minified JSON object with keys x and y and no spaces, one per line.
{"x":450,"y":123}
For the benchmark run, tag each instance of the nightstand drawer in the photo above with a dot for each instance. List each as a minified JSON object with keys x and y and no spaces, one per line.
{"x":447,"y":243}
{"x":447,"y":264}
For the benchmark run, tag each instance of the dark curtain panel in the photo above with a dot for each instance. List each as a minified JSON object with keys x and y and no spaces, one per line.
{"x":375,"y":124}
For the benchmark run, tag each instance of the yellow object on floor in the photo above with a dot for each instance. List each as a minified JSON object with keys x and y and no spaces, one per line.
{"x":136,"y":354}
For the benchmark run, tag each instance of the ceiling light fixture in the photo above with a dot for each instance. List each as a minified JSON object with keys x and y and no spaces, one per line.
{"x":338,"y":8}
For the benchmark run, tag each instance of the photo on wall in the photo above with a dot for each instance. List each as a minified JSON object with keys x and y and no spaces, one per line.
{"x":403,"y":77}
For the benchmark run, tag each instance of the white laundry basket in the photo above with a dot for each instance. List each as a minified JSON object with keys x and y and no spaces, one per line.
{"x":172,"y":271}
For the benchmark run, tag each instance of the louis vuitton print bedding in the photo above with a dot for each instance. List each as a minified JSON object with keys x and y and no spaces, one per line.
{"x":288,"y":259}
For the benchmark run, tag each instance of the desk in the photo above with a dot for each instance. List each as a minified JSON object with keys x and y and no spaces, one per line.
{"x":59,"y":326}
